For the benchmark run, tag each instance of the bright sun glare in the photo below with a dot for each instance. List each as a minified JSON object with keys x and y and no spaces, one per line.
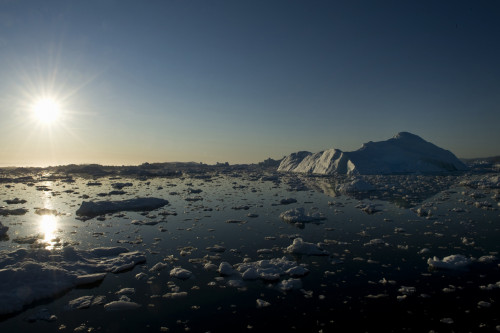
{"x":47,"y":110}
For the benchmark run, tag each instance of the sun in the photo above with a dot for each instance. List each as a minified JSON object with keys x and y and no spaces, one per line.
{"x":46,"y":110}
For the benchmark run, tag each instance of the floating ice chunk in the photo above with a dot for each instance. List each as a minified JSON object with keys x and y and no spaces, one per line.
{"x":181,"y":273}
{"x":299,"y":215}
{"x":157,"y":267}
{"x":424,"y":251}
{"x":300,"y":247}
{"x":30,"y":275}
{"x":18,"y":211}
{"x":250,"y":274}
{"x":407,"y":290}
{"x":456,"y":261}
{"x":226,"y":269}
{"x":121,"y":305}
{"x":487,"y":259}
{"x":216,"y":248}
{"x":290,"y":284}
{"x":377,"y":296}
{"x":288,"y":201}
{"x":3,"y":230}
{"x":126,"y":291}
{"x":89,"y":278}
{"x":261,"y":303}
{"x":236,"y":283}
{"x":210,"y":267}
{"x":15,"y":201}
{"x":368,"y":208}
{"x":91,"y":209}
{"x":236,"y":221}
{"x":140,"y":222}
{"x":176,"y":294}
{"x":85,"y":302}
{"x":483,"y":304}
{"x":447,"y":321}
{"x":297,"y":271}
{"x":375,"y":241}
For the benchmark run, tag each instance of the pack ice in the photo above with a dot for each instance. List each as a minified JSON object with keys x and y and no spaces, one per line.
{"x":27,"y":276}
{"x":404,"y":153}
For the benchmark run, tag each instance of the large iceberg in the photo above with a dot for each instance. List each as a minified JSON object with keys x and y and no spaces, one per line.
{"x":404,"y":153}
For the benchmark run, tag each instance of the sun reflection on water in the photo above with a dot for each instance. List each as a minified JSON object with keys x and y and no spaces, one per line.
{"x":48,"y":228}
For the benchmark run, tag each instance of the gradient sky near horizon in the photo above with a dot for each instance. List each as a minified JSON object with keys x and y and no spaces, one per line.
{"x":241,"y":81}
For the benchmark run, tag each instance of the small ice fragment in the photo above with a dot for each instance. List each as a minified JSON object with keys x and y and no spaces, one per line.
{"x":121,"y":305}
{"x":290,"y":284}
{"x":484,"y":304}
{"x":447,"y":321}
{"x":236,"y":283}
{"x":216,"y":248}
{"x":407,"y":290}
{"x":456,"y":261}
{"x":226,"y":269}
{"x":80,"y":302}
{"x":300,"y":247}
{"x":288,"y":201}
{"x":175,"y":294}
{"x":125,"y":291}
{"x":250,"y":274}
{"x":376,"y":241}
{"x":89,"y":278}
{"x":180,"y":273}
{"x":297,"y":271}
{"x":262,"y":304}
{"x":157,"y":267}
{"x":210,"y":267}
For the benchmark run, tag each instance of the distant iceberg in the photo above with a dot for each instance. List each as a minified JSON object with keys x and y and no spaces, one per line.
{"x":405,"y":153}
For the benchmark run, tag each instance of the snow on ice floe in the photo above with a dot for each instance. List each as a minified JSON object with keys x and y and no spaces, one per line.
{"x":85,"y":302}
{"x":30,"y":275}
{"x":95,"y":208}
{"x":404,"y":153}
{"x":121,"y":305}
{"x":300,"y":215}
{"x":452,"y":262}
{"x":300,"y":247}
{"x":180,"y":273}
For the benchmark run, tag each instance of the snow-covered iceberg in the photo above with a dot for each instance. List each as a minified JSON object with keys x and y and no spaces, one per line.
{"x":27,"y":276}
{"x":404,"y":153}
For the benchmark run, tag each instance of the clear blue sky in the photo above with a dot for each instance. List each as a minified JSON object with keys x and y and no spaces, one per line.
{"x":241,"y":81}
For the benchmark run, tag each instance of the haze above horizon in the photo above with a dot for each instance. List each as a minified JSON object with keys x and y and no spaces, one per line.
{"x":122,"y":82}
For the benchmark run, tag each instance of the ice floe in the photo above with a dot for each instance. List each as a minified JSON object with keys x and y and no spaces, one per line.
{"x":95,"y":208}
{"x":455,"y":261}
{"x":180,"y":273}
{"x":30,"y":275}
{"x":304,"y":248}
